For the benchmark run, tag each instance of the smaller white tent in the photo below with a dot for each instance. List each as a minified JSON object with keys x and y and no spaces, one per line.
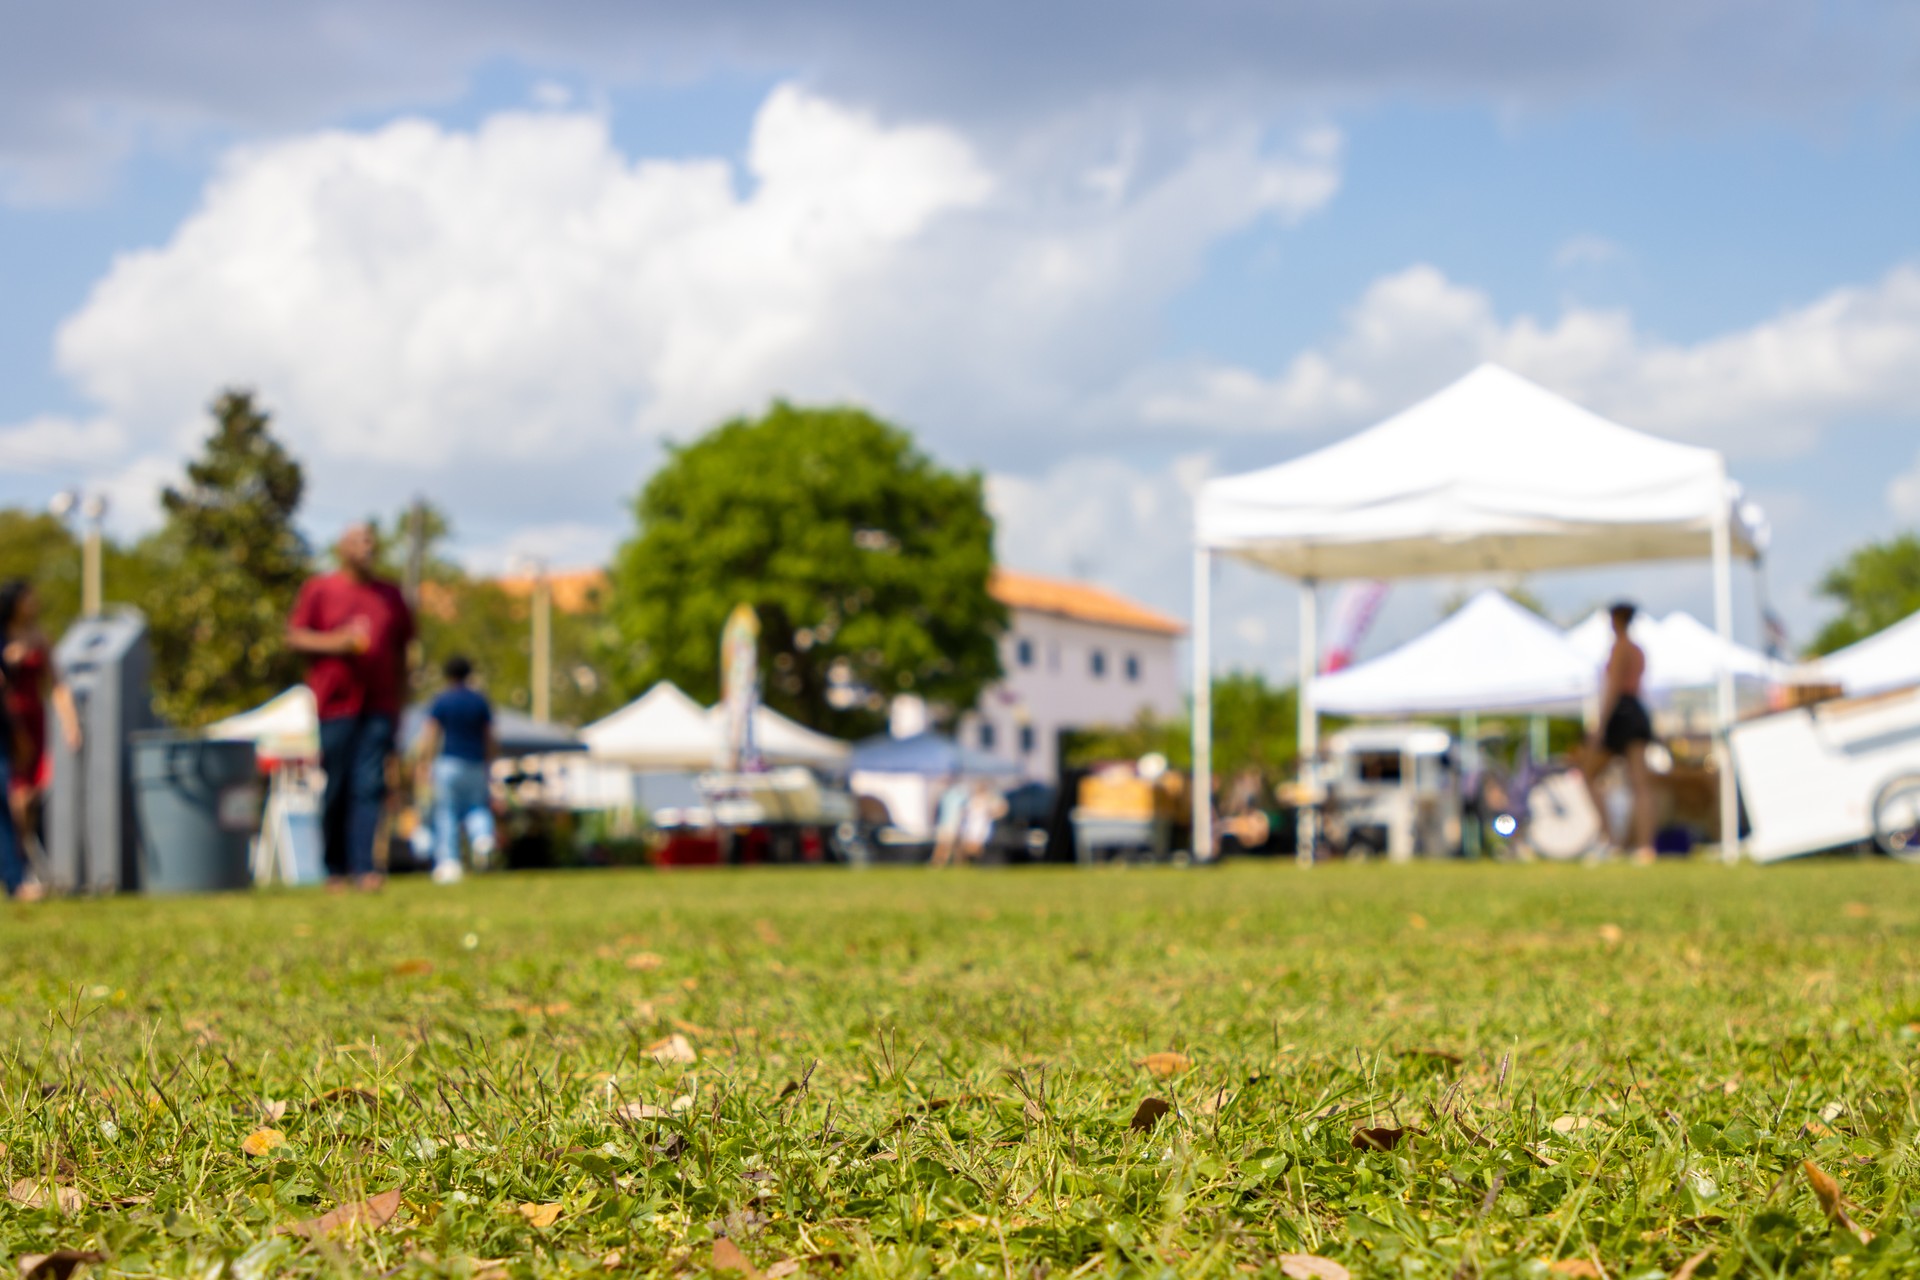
{"x":1682,"y":652}
{"x":1888,"y":659}
{"x":661,"y":729}
{"x":666,"y":729}
{"x":285,"y":727}
{"x":1490,"y":655}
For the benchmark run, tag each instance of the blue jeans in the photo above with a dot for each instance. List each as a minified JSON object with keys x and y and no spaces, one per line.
{"x":353,"y":754}
{"x":459,"y":803}
{"x":13,"y":867}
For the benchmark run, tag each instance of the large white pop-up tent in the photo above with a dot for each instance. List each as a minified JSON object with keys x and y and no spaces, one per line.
{"x":1491,"y":474}
{"x":666,"y":729}
{"x":1490,"y":655}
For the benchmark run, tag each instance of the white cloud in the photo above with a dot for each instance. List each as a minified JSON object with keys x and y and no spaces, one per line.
{"x":1767,"y":390}
{"x":1903,"y":493}
{"x":1588,"y":251}
{"x":512,"y":318}
{"x":50,"y":442}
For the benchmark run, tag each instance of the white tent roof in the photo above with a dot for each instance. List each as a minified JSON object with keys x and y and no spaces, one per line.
{"x":284,"y":727}
{"x":661,"y":729}
{"x":1884,"y":660}
{"x":1682,"y":652}
{"x":666,"y":729}
{"x":1491,"y":473}
{"x":785,"y":741}
{"x":1491,"y":655}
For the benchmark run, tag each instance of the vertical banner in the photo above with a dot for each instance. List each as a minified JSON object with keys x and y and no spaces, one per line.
{"x":740,"y":686}
{"x":1353,"y":612}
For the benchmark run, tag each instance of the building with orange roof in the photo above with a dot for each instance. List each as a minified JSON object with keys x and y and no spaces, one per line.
{"x":1076,"y":656}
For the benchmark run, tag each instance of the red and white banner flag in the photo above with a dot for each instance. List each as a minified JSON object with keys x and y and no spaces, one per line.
{"x":1348,"y":621}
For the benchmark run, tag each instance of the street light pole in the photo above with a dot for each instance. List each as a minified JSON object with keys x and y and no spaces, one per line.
{"x":93,"y":510}
{"x":542,"y":646}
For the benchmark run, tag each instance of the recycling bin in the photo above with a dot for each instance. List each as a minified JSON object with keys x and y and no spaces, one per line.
{"x":197,"y":808}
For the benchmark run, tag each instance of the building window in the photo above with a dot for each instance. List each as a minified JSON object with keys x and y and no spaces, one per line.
{"x":986,"y":735}
{"x":1133,"y":668}
{"x":1026,"y":739}
{"x":1097,"y":663}
{"x":1023,"y":651}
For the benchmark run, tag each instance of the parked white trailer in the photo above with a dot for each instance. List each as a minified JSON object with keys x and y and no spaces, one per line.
{"x":1831,"y":775}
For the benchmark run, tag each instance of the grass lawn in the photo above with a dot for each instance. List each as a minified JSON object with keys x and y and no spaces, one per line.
{"x":1597,"y":1072}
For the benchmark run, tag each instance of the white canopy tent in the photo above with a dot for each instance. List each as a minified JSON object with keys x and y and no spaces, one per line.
{"x":1682,"y":652}
{"x":1888,"y":659}
{"x":284,"y":727}
{"x":666,"y":729}
{"x":1491,"y":474}
{"x":1490,"y":655}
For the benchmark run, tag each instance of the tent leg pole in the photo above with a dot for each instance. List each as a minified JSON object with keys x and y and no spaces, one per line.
{"x":1307,"y":828}
{"x":1724,"y":709}
{"x":1202,"y":795}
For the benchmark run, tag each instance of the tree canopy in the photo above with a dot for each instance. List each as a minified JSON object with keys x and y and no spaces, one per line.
{"x":1875,"y":586}
{"x":1255,"y":726}
{"x":223,"y":571}
{"x":867,"y":563}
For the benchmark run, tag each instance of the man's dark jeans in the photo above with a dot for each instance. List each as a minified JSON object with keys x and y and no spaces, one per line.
{"x":353,"y":753}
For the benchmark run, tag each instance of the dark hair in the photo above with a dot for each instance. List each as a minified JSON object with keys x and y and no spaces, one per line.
{"x":458,"y":668}
{"x":12,"y":592}
{"x":1622,"y":611}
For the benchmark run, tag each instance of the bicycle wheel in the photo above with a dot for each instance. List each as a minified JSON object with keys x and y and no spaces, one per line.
{"x":1896,"y":818}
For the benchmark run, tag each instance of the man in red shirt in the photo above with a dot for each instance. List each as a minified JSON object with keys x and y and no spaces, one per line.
{"x":354,"y":626}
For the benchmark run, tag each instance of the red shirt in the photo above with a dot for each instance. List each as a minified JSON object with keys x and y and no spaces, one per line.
{"x":351,"y":684}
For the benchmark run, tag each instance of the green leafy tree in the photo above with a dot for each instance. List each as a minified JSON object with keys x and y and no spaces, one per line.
{"x":40,"y":548}
{"x":1875,"y":586}
{"x":224,"y":570}
{"x":866,"y":562}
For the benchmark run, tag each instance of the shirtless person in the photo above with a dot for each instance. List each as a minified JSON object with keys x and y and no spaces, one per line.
{"x":1627,"y":731}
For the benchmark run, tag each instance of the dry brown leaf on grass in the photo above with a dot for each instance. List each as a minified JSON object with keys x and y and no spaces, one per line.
{"x":727,"y":1257}
{"x":1612,"y":935}
{"x":1165,"y":1065}
{"x":1579,"y":1268}
{"x":37,"y":1193}
{"x":1832,"y":1203}
{"x":541,"y":1215}
{"x":1380,"y":1138}
{"x":415,"y":968}
{"x":371,"y":1214}
{"x":642,"y":1111}
{"x":345,"y":1093}
{"x":784,"y":1268}
{"x":57,"y":1265}
{"x":261,"y":1141}
{"x":1311,"y":1266}
{"x":643,"y":961}
{"x":1216,"y":1102}
{"x":768,"y":935}
{"x":1692,"y":1265}
{"x":675,"y":1048}
{"x":1149,"y":1113}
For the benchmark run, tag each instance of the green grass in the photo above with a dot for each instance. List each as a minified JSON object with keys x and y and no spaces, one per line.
{"x":913,"y":1073}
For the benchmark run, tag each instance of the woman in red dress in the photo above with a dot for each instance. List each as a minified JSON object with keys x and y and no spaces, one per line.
{"x":31,"y":682}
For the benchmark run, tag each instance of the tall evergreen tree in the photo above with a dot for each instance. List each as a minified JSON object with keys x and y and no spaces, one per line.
{"x":226,"y":567}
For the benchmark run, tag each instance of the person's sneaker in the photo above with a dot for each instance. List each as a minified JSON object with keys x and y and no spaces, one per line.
{"x":446,"y":873}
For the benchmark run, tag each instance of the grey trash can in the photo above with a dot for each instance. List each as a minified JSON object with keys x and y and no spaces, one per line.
{"x":197,"y":807}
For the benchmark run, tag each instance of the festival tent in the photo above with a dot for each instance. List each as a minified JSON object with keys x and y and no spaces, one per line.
{"x":666,"y":729}
{"x":1490,"y":655}
{"x":1885,"y":660}
{"x":908,"y":774}
{"x":1490,"y":474}
{"x":284,"y":727}
{"x":1682,"y":652}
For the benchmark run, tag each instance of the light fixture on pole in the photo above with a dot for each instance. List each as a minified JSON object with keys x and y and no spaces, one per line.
{"x":92,"y":508}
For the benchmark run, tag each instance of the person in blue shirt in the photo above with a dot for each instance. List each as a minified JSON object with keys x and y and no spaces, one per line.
{"x":456,"y":749}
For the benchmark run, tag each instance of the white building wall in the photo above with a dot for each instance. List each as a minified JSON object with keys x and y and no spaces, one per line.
{"x":1051,"y":684}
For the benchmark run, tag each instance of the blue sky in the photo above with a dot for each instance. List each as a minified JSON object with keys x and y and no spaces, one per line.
{"x":497,"y":254}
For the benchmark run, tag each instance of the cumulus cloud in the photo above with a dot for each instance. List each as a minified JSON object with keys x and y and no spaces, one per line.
{"x":1767,"y":390}
{"x":51,"y":442}
{"x":517,"y":315}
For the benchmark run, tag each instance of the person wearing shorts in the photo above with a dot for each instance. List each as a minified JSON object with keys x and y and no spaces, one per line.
{"x":1625,"y":732}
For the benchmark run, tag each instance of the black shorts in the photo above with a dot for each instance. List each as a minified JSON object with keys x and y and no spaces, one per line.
{"x":1628,"y":724}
